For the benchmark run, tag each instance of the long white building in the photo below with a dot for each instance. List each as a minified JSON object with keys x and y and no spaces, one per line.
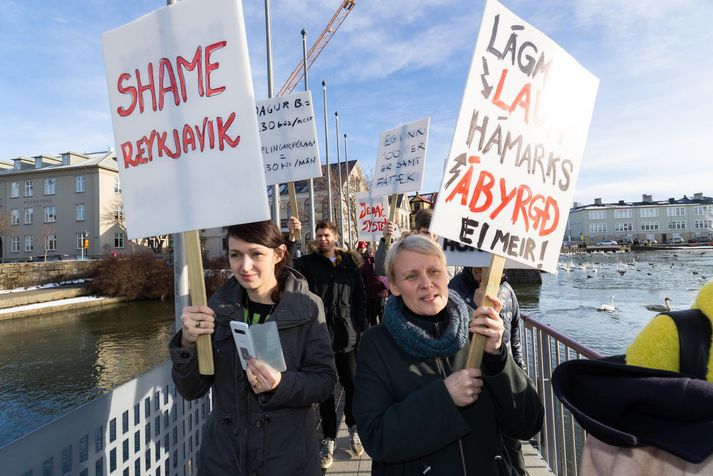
{"x":673,"y":220}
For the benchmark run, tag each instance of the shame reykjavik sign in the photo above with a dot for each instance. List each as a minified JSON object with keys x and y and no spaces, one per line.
{"x":401,"y":159}
{"x":518,"y":144}
{"x":289,"y":138}
{"x":183,"y":112}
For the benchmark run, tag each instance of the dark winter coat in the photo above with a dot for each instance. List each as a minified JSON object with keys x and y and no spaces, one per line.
{"x":464,"y":284}
{"x":373,"y":286}
{"x":410,"y":425}
{"x":342,"y":292}
{"x":273,"y":433}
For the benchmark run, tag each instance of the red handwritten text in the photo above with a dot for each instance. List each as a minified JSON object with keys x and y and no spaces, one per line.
{"x":169,"y":81}
{"x":536,"y":210}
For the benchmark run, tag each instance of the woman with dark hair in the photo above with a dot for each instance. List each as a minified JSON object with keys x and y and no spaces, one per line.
{"x":262,"y":421}
{"x":417,"y":409}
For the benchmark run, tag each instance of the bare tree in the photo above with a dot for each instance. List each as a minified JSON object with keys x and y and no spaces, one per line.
{"x":47,"y":231}
{"x":114,"y":215}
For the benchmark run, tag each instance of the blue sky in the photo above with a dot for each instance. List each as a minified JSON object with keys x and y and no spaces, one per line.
{"x":394,"y":62}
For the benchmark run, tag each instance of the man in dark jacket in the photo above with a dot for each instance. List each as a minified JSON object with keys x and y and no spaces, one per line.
{"x":333,"y":275}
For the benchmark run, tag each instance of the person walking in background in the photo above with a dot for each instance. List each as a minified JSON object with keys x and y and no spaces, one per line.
{"x":262,"y":420}
{"x":333,"y":275}
{"x":376,"y":291}
{"x":466,"y":284}
{"x":419,"y":411}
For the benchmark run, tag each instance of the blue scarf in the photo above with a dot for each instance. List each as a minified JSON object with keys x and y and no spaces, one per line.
{"x":417,"y":342}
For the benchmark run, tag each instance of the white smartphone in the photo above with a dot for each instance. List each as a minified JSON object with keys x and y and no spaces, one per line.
{"x":243,"y":342}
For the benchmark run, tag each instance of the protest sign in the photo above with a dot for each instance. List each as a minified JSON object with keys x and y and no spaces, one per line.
{"x":289,"y":138}
{"x":458,"y":254}
{"x":401,"y":159}
{"x":371,"y":216}
{"x":518,"y":144}
{"x":183,"y":111}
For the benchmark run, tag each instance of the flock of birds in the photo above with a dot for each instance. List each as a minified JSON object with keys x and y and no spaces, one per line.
{"x":622,"y":267}
{"x":610,"y":307}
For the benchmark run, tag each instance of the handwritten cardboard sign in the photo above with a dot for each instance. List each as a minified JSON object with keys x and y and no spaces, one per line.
{"x":401,"y":159}
{"x":183,"y":110}
{"x":458,"y":254}
{"x":518,"y":144}
{"x":372,"y":215}
{"x":289,"y":138}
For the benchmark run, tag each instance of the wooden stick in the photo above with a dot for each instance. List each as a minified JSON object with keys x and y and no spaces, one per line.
{"x":392,"y":213}
{"x":489,"y":285}
{"x":294,"y":235}
{"x":197,"y":286}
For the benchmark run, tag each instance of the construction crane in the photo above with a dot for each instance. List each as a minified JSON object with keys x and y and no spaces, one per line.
{"x":298,"y":73}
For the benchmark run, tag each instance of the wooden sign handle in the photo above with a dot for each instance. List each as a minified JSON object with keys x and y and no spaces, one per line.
{"x":294,"y":235}
{"x":489,"y":285}
{"x":197,"y":288}
{"x":392,"y":213}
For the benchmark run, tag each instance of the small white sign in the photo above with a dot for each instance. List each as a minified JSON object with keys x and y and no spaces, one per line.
{"x":401,"y":159}
{"x":183,"y":110}
{"x":289,"y":138}
{"x":518,"y":144}
{"x":372,"y":215}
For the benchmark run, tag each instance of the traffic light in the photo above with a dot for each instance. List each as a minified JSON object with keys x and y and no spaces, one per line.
{"x":86,"y":244}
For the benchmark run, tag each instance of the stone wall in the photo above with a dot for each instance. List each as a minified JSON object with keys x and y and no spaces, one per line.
{"x":18,"y":275}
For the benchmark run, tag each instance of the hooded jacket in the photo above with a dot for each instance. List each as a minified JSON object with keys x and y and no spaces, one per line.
{"x":271,"y":433}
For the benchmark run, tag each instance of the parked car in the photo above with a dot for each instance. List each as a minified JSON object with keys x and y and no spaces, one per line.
{"x":703,"y":239}
{"x":677,"y":240}
{"x":607,"y":243}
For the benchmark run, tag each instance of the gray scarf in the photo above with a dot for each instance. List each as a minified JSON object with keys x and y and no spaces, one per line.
{"x":419,"y":343}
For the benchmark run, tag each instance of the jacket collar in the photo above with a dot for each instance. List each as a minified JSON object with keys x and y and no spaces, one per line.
{"x":292,"y":310}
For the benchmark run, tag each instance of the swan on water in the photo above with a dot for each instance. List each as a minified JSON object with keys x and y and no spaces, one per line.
{"x":607,"y":307}
{"x":666,"y":307}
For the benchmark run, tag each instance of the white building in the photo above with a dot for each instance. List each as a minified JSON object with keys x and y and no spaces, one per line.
{"x":673,"y":220}
{"x":51,"y":205}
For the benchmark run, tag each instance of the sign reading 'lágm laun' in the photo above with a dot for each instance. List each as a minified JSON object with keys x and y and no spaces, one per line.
{"x":183,"y":111}
{"x":518,"y":144}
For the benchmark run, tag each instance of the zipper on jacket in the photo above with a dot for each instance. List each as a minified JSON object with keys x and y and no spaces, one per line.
{"x":442,"y":371}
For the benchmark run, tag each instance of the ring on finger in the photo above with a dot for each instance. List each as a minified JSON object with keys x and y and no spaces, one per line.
{"x":198,"y":323}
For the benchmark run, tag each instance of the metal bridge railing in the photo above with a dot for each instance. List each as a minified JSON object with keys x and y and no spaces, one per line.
{"x":561,"y":439}
{"x":141,"y":428}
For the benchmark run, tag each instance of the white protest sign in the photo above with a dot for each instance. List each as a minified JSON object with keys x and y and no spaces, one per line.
{"x":183,"y":111}
{"x":518,"y":144}
{"x":458,"y":254}
{"x":401,"y":159}
{"x":372,"y":216}
{"x":289,"y":138}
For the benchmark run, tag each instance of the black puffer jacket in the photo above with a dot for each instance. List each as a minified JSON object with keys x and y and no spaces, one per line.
{"x":274,"y":433}
{"x":342,"y":292}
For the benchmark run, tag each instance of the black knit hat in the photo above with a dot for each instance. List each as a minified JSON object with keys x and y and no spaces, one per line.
{"x":624,"y":405}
